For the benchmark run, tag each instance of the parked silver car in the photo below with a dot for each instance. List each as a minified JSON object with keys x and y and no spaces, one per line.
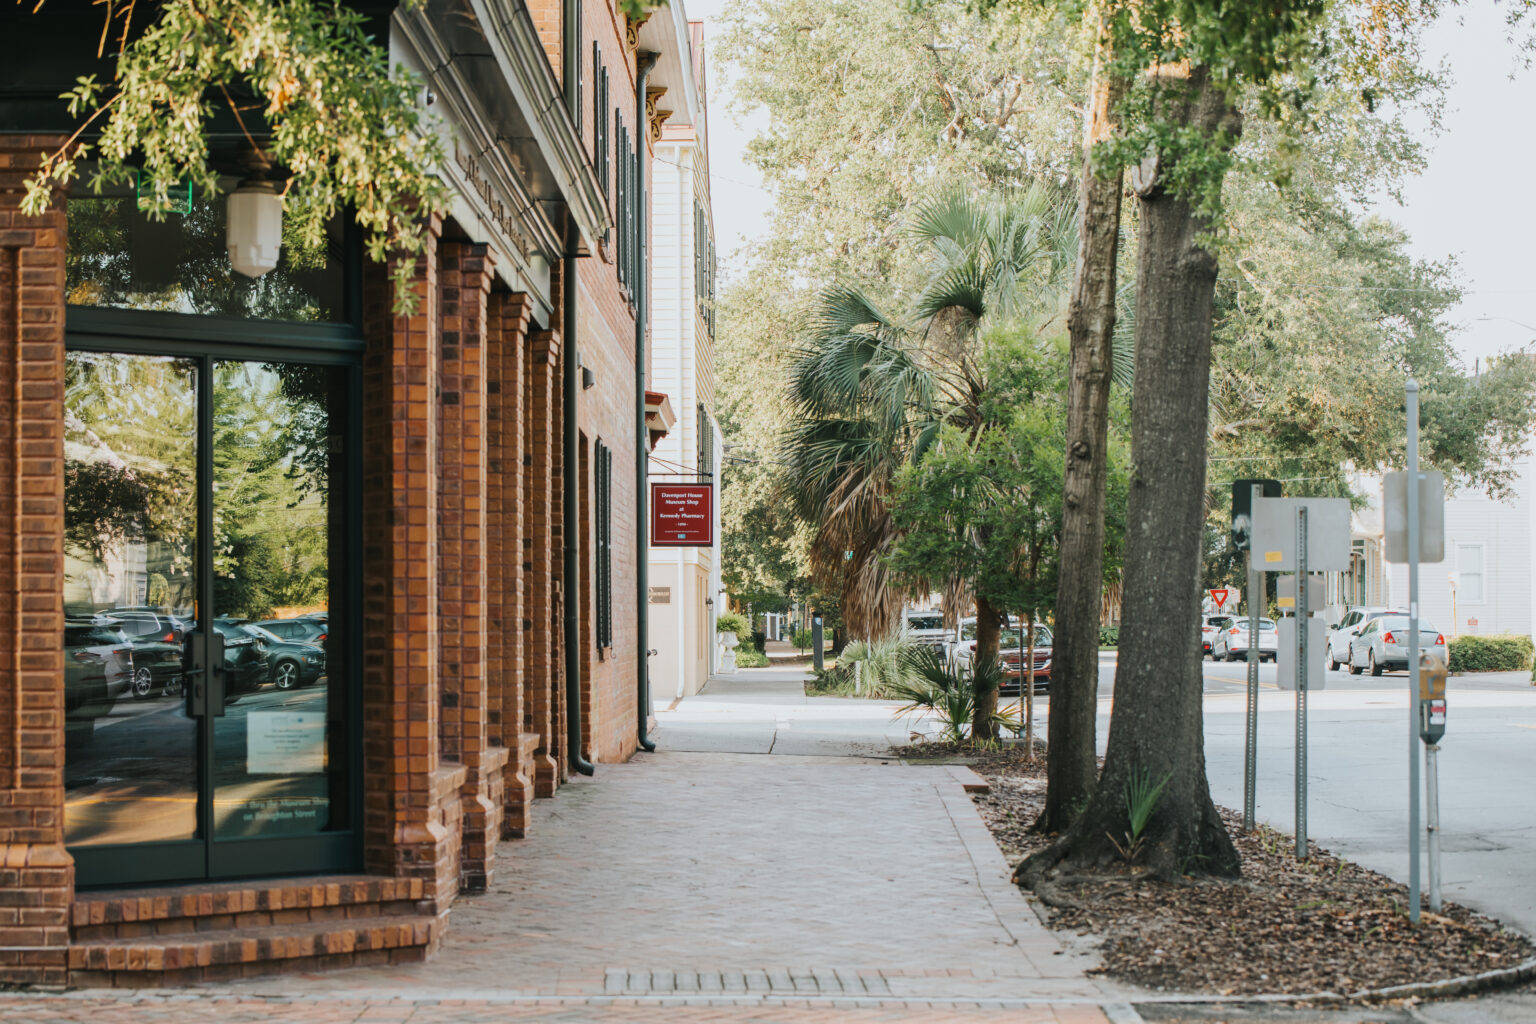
{"x":1349,"y":627}
{"x":1383,"y":644}
{"x":1234,"y":642}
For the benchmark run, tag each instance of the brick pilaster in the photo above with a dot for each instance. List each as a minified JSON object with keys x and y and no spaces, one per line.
{"x":507,"y":359}
{"x":543,"y":621}
{"x":463,"y":578}
{"x":36,"y":874}
{"x":406,"y":812}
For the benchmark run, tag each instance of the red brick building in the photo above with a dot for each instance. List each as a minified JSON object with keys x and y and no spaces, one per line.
{"x":305,"y":602}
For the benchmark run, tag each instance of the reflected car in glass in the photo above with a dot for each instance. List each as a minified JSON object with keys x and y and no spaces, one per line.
{"x":294,"y":663}
{"x":309,"y":629}
{"x":145,"y":623}
{"x":247,"y":665}
{"x":98,"y":669}
{"x":1383,"y":644}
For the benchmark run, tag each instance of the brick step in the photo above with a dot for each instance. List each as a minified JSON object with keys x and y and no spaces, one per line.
{"x":218,"y":906}
{"x":249,"y":951}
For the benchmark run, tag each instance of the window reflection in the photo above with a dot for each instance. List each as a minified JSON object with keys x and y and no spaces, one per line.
{"x":130,"y":513}
{"x":122,"y":258}
{"x":279,"y":751}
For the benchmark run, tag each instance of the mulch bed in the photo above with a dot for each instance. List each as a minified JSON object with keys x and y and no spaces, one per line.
{"x":1286,"y":927}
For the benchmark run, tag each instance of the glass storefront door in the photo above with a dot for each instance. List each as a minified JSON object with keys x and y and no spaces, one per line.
{"x":209,"y":679}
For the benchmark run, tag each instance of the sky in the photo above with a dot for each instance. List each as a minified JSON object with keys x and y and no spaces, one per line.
{"x":1468,"y":204}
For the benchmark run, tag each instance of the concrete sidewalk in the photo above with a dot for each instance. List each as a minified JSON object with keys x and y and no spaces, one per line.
{"x":710,"y":885}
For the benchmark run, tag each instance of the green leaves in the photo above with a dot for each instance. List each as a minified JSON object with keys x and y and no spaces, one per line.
{"x":303,"y":80}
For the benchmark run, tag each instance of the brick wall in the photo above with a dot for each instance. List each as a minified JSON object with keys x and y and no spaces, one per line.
{"x":36,"y":874}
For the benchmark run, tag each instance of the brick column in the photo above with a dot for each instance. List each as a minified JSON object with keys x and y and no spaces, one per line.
{"x":36,"y":875}
{"x":507,"y":337}
{"x":541,"y":564}
{"x":463,"y":588}
{"x":405,"y":819}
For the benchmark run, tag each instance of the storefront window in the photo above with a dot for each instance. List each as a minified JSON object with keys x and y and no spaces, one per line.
{"x":120,"y":257}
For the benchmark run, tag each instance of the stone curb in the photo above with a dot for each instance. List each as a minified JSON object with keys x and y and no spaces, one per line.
{"x":1466,"y":984}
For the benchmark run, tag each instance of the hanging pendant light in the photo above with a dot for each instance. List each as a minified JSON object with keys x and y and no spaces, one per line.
{"x":254,"y":220}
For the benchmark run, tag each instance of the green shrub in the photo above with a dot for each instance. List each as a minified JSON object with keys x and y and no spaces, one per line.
{"x":802,"y":640}
{"x":885,"y":663}
{"x":1109,"y":636}
{"x":731,"y":622}
{"x":750,"y":657}
{"x":1491,"y":653}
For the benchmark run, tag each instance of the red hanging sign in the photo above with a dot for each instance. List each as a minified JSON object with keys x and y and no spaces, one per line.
{"x":1219,"y":596}
{"x":682,"y":515}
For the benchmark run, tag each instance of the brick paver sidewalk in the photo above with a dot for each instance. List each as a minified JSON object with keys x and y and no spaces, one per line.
{"x":695,"y":887}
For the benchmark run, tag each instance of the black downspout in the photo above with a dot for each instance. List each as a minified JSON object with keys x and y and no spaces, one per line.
{"x":644,"y":62}
{"x":570,"y":466}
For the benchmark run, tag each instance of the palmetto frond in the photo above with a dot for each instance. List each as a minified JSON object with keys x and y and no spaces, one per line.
{"x":871,"y":391}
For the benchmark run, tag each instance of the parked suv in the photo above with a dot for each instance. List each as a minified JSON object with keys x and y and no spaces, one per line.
{"x":1349,"y":627}
{"x":1212,"y":625}
{"x":926,"y":628}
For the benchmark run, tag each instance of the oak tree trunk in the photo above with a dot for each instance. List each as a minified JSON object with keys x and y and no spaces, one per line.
{"x":987,"y":636}
{"x":1156,"y":731}
{"x":1072,"y":767}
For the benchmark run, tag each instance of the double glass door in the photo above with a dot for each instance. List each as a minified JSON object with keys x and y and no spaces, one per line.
{"x":209,"y":595}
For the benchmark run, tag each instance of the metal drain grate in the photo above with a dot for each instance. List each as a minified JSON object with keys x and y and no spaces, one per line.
{"x":768,"y":981}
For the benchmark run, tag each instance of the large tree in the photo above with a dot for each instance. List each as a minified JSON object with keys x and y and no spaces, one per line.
{"x":1073,"y":766}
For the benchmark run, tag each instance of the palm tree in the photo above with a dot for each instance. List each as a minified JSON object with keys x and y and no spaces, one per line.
{"x":869,"y":390}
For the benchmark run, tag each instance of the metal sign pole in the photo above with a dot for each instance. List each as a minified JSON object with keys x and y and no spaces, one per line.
{"x":1411,"y":390}
{"x":1302,"y":657}
{"x":1251,"y":754}
{"x":1432,"y":793}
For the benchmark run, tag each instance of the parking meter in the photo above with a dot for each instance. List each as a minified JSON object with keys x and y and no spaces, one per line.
{"x":1432,"y":671}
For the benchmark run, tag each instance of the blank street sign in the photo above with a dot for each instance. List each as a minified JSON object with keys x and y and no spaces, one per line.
{"x":1317,"y":647}
{"x":1286,"y":598}
{"x":1394,"y":507}
{"x":1274,"y":534}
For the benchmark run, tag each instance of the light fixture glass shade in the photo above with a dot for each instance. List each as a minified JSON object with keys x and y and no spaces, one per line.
{"x":254,"y":232}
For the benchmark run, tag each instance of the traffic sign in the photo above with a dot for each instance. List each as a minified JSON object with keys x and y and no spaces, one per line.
{"x":1394,"y":502}
{"x":1219,"y":595}
{"x":1242,"y":507}
{"x":1274,"y":534}
{"x":1285,"y":597}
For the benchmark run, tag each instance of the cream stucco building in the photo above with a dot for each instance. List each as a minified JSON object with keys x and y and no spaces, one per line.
{"x":685,"y":588}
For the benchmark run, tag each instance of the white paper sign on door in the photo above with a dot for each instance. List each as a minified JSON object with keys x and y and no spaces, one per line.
{"x":284,"y":742}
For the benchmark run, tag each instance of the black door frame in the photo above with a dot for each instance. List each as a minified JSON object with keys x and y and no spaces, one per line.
{"x":207,"y":339}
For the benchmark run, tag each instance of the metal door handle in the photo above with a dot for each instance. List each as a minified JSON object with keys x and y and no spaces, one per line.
{"x":203,"y":669}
